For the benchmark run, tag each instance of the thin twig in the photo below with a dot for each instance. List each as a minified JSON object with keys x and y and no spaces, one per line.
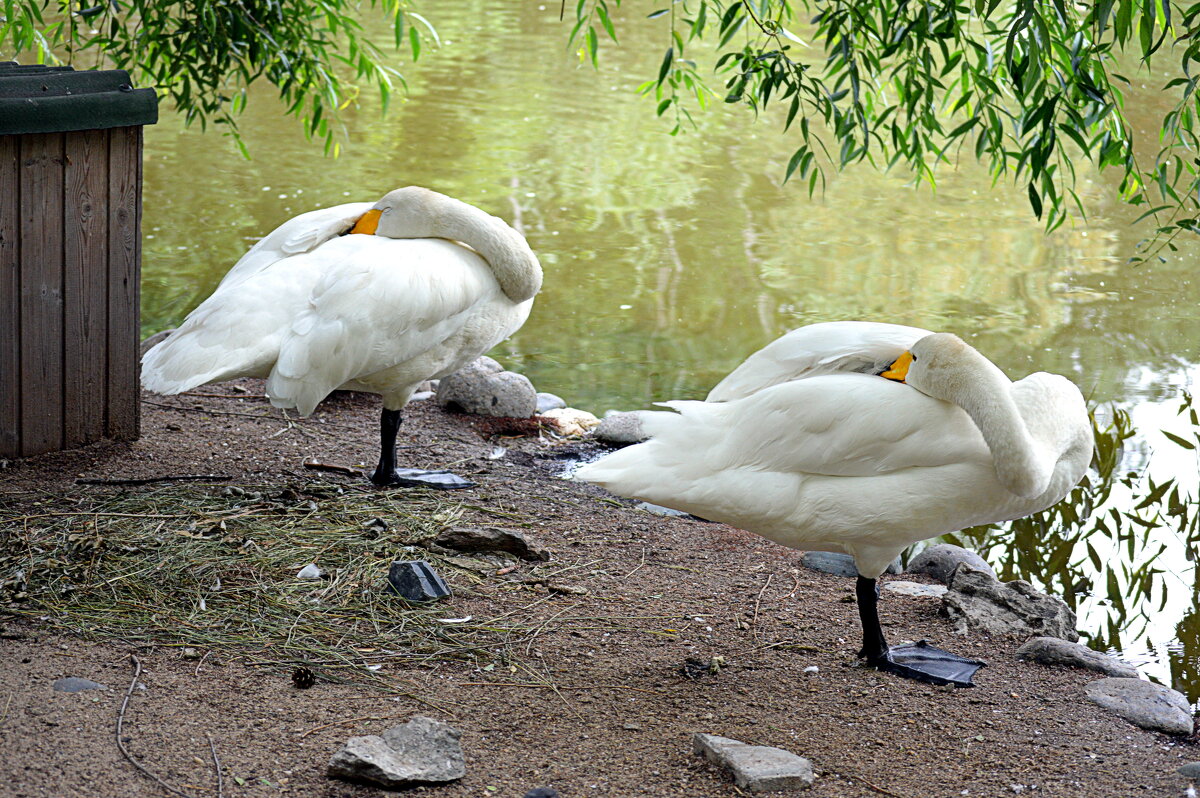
{"x":149,"y":480}
{"x":217,"y":764}
{"x":877,"y":789}
{"x":137,"y":663}
{"x":4,"y":714}
{"x":316,"y":465}
{"x":757,"y":599}
{"x":225,"y":395}
{"x":259,"y":416}
{"x":344,"y":722}
{"x":553,"y":687}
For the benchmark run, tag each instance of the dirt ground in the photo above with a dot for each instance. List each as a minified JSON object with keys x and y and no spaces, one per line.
{"x":599,"y":705}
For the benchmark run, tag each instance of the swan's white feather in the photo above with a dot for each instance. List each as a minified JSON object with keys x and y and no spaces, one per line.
{"x":834,"y":347}
{"x":312,"y":310}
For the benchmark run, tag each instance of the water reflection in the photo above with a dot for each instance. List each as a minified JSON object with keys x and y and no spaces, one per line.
{"x":668,"y":260}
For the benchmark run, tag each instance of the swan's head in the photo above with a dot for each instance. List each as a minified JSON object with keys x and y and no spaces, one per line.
{"x":942,"y":365}
{"x":394,"y":216}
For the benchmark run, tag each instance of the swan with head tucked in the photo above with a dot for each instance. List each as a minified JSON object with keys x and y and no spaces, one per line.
{"x":375,"y":298}
{"x":867,"y":462}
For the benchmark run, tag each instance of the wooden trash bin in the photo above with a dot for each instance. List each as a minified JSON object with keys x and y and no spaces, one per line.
{"x":70,"y":255}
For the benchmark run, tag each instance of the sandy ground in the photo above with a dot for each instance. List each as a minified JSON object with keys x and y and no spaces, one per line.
{"x":598,"y":705}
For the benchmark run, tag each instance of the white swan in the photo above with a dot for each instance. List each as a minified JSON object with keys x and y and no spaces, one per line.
{"x":856,"y":463}
{"x":313,"y":309}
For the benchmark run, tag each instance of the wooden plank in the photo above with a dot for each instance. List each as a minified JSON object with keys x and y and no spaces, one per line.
{"x":41,"y":264}
{"x":124,"y":276}
{"x":10,"y":299}
{"x":85,"y":287}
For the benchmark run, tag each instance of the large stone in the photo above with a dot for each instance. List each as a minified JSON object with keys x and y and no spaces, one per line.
{"x":549,"y":401}
{"x":491,"y":539}
{"x":422,"y":751}
{"x":416,"y":580}
{"x":839,"y":564}
{"x":620,"y":428}
{"x":1150,"y":706}
{"x":572,"y":421}
{"x":154,"y":340}
{"x":940,"y":560}
{"x":757,"y":768}
{"x":978,"y":602}
{"x":1053,"y":651}
{"x":484,"y":388}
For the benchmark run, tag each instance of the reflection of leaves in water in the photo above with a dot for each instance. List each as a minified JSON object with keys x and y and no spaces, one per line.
{"x":1105,"y":541}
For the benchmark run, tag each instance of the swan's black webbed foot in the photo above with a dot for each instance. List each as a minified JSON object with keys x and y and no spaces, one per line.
{"x":417,"y":478}
{"x":387,"y":475}
{"x":919,"y":661}
{"x":927,"y":663}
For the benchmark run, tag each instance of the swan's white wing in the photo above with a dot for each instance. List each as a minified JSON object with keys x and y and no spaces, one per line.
{"x":844,"y":425}
{"x":826,"y":348}
{"x":298,"y":235}
{"x":380,"y":302}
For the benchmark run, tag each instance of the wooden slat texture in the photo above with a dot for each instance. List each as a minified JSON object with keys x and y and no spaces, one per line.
{"x":124,"y":274}
{"x":85,"y":285}
{"x":10,"y":299}
{"x":41,"y":214}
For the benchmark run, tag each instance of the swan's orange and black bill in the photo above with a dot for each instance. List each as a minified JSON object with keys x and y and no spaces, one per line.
{"x":367,"y":224}
{"x":899,"y":369}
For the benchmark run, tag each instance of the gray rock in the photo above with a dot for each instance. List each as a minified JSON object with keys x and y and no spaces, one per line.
{"x":1150,"y":706}
{"x":154,"y":340}
{"x":485,"y":389}
{"x":549,"y":401}
{"x":422,"y":751}
{"x":940,"y":560}
{"x":1052,"y":651}
{"x":757,"y":768}
{"x":620,"y":428}
{"x":977,"y":601}
{"x":416,"y":580}
{"x":658,"y":509}
{"x":74,"y":684}
{"x":491,"y":539}
{"x":1191,"y":770}
{"x":915,"y":589}
{"x":839,"y":564}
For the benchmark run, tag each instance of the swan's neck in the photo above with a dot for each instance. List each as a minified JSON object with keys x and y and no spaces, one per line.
{"x":420,"y":213}
{"x":988,"y":400}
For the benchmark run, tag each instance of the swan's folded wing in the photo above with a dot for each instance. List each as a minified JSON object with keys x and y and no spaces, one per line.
{"x":382,"y":302}
{"x":826,"y":348}
{"x":834,"y":425}
{"x":296,"y":236}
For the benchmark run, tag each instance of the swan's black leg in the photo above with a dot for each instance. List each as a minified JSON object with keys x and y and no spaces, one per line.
{"x":919,"y":661}
{"x":874,"y":644}
{"x":386,"y":472}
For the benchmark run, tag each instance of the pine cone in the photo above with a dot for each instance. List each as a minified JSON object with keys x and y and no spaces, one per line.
{"x":303,"y":677}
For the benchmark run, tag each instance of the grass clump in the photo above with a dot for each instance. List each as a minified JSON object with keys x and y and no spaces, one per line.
{"x":215,"y":568}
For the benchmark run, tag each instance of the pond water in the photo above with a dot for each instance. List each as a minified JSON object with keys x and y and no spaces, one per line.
{"x":669,"y":259}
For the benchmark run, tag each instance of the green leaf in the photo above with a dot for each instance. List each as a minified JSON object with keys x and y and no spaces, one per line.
{"x":1178,"y":440}
{"x":1035,"y":200}
{"x":667,"y":61}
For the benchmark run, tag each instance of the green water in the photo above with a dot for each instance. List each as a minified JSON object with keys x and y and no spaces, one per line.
{"x":669,"y":259}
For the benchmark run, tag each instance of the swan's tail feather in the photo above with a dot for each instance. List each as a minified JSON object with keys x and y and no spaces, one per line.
{"x":312,"y":362}
{"x":641,"y":470}
{"x":183,"y":361}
